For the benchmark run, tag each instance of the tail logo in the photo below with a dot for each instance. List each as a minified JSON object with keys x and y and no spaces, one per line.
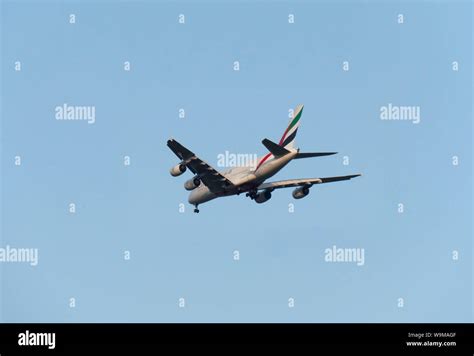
{"x":290,"y":132}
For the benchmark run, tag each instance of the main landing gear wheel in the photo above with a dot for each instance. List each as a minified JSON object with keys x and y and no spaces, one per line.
{"x":252,"y":194}
{"x":196,"y":210}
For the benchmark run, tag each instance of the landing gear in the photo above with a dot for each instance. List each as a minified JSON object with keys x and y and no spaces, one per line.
{"x":252,"y":194}
{"x":196,"y":210}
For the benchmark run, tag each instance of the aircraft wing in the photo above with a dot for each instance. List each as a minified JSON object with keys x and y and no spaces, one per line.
{"x":302,"y":182}
{"x":215,"y":181}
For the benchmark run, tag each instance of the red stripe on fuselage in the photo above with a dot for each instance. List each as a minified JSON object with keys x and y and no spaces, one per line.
{"x":263,"y":160}
{"x":269,"y":154}
{"x":284,"y":135}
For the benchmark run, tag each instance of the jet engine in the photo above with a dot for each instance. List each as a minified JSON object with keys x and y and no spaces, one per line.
{"x":192,"y":183}
{"x":263,"y":196}
{"x":301,"y":192}
{"x":178,"y":170}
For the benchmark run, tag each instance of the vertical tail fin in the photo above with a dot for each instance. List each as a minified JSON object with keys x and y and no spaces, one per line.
{"x":288,"y":138}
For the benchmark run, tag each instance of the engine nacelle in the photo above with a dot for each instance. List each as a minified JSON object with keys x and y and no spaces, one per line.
{"x":301,"y":192}
{"x":192,"y":183}
{"x":178,"y":170}
{"x":263,"y":197}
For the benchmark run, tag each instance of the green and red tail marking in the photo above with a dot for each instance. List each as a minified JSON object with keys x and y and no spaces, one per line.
{"x":288,"y":138}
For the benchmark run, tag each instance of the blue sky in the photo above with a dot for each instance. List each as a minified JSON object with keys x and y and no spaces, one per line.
{"x":184,"y":255}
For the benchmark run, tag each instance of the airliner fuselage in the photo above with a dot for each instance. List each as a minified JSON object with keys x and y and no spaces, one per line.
{"x":245,"y":179}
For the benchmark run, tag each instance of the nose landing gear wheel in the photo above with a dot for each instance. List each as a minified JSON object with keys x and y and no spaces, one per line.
{"x":196,"y":210}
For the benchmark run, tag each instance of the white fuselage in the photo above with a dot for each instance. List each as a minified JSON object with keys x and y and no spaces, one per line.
{"x":244,"y":178}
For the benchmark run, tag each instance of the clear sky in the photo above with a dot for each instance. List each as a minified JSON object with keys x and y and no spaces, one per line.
{"x":135,"y":208}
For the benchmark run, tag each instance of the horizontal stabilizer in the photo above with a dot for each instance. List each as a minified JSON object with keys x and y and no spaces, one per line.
{"x":313,"y":154}
{"x":274,"y":148}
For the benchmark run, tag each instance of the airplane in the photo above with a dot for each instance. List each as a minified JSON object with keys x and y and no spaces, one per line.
{"x":208,"y":184}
